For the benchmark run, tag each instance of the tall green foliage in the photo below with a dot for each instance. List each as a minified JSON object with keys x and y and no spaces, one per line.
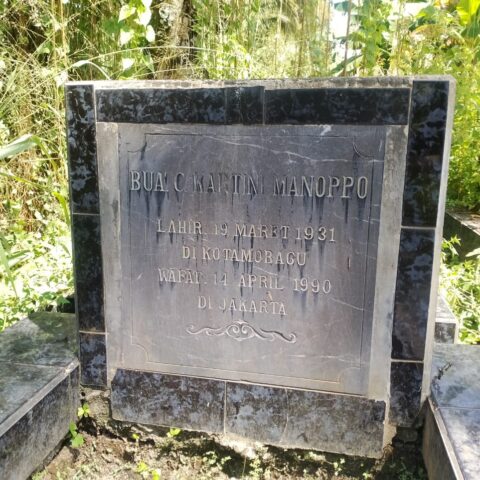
{"x":440,"y":42}
{"x":261,"y":38}
{"x":442,"y":38}
{"x":460,"y":284}
{"x":367,"y":49}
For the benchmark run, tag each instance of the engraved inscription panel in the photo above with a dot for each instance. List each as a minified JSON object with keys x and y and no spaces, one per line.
{"x":249,"y":253}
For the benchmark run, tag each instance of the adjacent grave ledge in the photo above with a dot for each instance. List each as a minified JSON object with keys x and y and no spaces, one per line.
{"x":39,"y":375}
{"x":466,"y":226}
{"x":451,"y":438}
{"x":446,"y":324}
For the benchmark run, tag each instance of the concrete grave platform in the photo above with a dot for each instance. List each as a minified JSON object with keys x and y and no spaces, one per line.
{"x":451,"y":443}
{"x":39,"y":376}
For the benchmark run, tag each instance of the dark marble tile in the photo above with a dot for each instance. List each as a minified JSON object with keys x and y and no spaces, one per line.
{"x":88,"y":272}
{"x":364,"y":106}
{"x":45,"y":338}
{"x":93,"y":359}
{"x":425,"y":151}
{"x":463,"y":427}
{"x":201,"y":105}
{"x":412,"y":295}
{"x":82,"y":149}
{"x":437,"y":451}
{"x":456,"y":376}
{"x":305,"y":419}
{"x":170,"y":400}
{"x":405,"y":392}
{"x":245,"y":105}
{"x":26,"y":443}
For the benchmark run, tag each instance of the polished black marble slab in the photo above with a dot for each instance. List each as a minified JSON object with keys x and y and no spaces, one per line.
{"x":405,"y":392}
{"x":245,"y":105}
{"x":158,"y":399}
{"x":286,"y":417}
{"x":426,"y":140}
{"x":344,"y":106}
{"x":463,"y":427}
{"x":305,"y":419}
{"x":88,"y":272}
{"x":201,"y":105}
{"x":93,"y":359}
{"x":33,"y":352}
{"x":445,"y":331}
{"x":82,"y":149}
{"x":412,"y":295}
{"x":18,"y":383}
{"x":464,"y":225}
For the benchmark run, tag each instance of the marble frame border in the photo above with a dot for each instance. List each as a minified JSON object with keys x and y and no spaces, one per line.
{"x":429,"y":112}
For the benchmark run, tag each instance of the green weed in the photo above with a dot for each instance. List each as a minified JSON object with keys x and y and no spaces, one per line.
{"x":76,"y":439}
{"x":460,"y":283}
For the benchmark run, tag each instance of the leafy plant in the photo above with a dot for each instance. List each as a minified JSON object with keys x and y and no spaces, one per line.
{"x":35,"y":270}
{"x":460,"y":283}
{"x":135,"y":32}
{"x":437,"y":41}
{"x":338,"y":466}
{"x":83,"y":411}
{"x":38,"y":475}
{"x":174,"y":432}
{"x":25,"y":142}
{"x":146,"y":472}
{"x":256,"y":469}
{"x":367,"y":47}
{"x":76,"y":440}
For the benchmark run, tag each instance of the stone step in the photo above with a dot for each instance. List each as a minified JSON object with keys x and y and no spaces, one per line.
{"x":38,"y":390}
{"x":451,"y":443}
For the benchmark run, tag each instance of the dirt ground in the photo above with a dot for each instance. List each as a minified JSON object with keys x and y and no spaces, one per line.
{"x":114,"y":450}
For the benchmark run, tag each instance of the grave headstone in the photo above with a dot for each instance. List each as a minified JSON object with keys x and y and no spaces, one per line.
{"x":260,"y":258}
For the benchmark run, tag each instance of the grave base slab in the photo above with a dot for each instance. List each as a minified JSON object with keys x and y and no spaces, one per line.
{"x":289,"y":418}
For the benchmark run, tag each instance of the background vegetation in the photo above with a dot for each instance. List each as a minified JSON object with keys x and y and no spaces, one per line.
{"x":45,"y":42}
